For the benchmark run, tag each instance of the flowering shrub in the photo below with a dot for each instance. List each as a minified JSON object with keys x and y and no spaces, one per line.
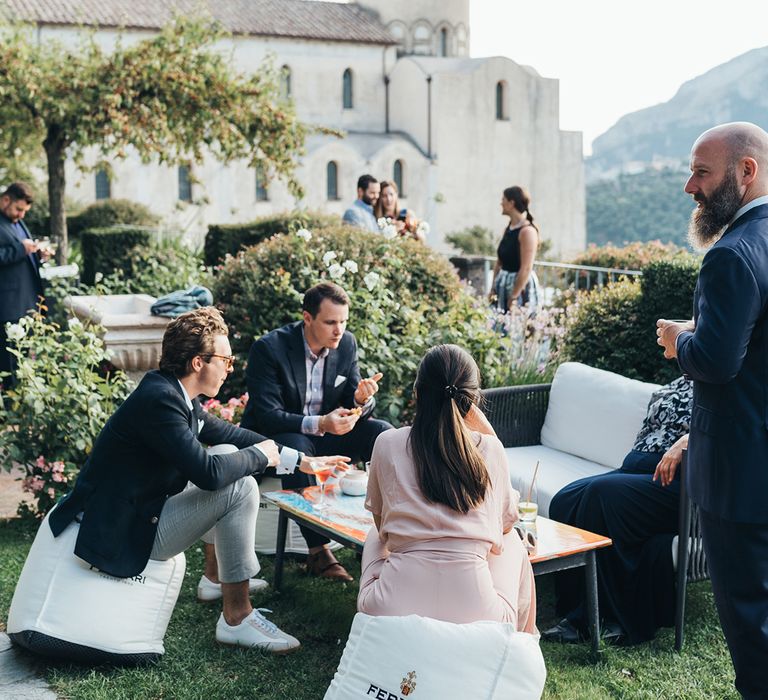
{"x":231,"y":411}
{"x":532,"y":345}
{"x":632,"y":256}
{"x":58,"y":405}
{"x":404,"y":299}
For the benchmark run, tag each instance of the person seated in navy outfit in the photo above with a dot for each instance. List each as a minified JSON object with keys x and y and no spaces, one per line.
{"x":637,"y":507}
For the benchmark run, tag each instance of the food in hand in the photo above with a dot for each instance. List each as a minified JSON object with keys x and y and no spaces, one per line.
{"x":357,"y":410}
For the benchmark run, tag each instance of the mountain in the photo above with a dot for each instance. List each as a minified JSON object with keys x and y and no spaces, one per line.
{"x":734,"y":91}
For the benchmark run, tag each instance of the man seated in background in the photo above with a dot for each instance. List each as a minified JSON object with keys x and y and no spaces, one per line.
{"x":305,"y":391}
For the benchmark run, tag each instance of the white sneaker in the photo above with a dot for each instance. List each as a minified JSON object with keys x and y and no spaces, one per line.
{"x":208,"y":590}
{"x":255,"y":631}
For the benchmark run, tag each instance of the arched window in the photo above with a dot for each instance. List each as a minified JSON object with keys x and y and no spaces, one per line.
{"x":185,"y":184}
{"x":397,"y":176}
{"x":501,"y":100}
{"x":262,"y":194}
{"x":332,"y":184}
{"x":347,"y":89}
{"x":443,"y":42}
{"x":422,"y":39}
{"x":285,"y":82}
{"x":103,"y":186}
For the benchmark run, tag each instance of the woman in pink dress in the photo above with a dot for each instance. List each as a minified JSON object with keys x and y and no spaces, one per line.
{"x":443,"y":545}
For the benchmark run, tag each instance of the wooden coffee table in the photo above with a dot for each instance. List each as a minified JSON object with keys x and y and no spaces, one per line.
{"x":559,"y":546}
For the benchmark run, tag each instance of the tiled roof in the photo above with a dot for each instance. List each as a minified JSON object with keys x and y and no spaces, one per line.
{"x":299,"y":19}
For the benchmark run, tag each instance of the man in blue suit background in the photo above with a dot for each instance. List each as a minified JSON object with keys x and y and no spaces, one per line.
{"x":20,"y":285}
{"x":725,"y":351}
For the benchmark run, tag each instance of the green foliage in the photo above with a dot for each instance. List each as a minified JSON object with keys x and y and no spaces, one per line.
{"x":58,"y":405}
{"x":108,"y":212}
{"x":639,"y":207}
{"x":631,"y":256}
{"x":614,"y":328}
{"x":227,"y":239}
{"x":474,"y":240}
{"x":398,"y":309}
{"x":173,"y":96}
{"x":108,"y":249}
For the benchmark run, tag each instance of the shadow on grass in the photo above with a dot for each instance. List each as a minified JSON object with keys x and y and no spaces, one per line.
{"x":320,"y":613}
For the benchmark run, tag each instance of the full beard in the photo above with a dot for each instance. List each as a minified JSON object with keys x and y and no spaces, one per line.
{"x":708,"y":221}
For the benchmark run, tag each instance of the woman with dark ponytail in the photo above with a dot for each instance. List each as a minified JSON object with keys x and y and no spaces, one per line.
{"x":514,"y":281}
{"x":443,"y":545}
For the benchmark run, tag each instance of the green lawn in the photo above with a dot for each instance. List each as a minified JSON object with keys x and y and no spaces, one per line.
{"x":320,"y":613}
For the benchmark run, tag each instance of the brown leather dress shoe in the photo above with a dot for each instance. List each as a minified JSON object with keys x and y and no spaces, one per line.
{"x":325,"y":565}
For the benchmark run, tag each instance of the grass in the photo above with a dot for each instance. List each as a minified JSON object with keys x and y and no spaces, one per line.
{"x":320,"y":613}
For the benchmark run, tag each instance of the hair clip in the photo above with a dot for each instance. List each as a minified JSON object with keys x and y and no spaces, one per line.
{"x":450,"y":391}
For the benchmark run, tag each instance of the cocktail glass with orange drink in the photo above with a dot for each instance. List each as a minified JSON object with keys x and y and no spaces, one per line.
{"x":322,"y":473}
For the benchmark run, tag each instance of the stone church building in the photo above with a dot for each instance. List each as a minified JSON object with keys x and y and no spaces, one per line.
{"x":396,"y":77}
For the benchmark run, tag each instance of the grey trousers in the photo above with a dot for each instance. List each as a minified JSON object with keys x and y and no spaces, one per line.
{"x":226,"y":518}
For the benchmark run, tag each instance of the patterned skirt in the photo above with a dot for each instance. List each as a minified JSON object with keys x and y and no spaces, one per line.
{"x":530,"y":296}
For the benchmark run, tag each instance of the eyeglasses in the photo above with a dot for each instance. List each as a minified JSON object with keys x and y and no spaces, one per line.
{"x":230,"y":359}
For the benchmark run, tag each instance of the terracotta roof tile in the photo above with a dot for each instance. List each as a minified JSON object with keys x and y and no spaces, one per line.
{"x":300,"y":19}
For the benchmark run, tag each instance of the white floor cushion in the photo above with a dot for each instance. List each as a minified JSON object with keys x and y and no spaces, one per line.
{"x":556,"y":469}
{"x":62,"y":608}
{"x":594,"y":414}
{"x":416,"y":657}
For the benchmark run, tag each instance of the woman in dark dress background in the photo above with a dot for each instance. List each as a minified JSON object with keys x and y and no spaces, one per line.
{"x":637,"y":507}
{"x":514,"y":281}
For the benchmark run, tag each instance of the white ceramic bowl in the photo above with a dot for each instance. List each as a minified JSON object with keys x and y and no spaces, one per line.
{"x":354,"y":483}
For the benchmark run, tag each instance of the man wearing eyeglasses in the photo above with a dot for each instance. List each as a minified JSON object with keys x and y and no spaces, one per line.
{"x":150,"y":489}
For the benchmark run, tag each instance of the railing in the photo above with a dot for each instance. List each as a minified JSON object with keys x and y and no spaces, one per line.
{"x":553,"y":276}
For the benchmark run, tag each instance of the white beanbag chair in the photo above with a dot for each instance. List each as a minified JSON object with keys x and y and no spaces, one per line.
{"x":63,"y":608}
{"x":396,"y":657}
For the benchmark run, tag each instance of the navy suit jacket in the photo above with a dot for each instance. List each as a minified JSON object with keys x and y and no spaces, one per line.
{"x":147,"y":451}
{"x":277,"y":380}
{"x":20,"y":283}
{"x":727,"y":357}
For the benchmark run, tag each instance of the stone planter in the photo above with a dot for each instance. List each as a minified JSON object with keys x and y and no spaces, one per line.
{"x":131,"y":332}
{"x":477,"y":270}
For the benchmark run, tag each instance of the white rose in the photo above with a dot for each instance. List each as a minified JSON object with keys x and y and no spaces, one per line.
{"x":304,"y":234}
{"x":336,"y":271}
{"x":328,"y":257}
{"x":389,"y":231}
{"x":15,"y":332}
{"x":382,"y":222}
{"x":74,"y":323}
{"x":371,"y":280}
{"x":351,"y":265}
{"x":423,"y":228}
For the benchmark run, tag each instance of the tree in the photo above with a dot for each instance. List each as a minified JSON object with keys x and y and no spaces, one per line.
{"x":172,"y":97}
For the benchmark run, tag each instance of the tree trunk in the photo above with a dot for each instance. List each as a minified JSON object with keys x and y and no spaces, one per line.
{"x":55,"y":151}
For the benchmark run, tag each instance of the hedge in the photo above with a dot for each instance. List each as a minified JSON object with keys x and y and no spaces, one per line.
{"x":614,"y":328}
{"x":109,"y":212}
{"x":404,"y":298}
{"x":228,"y":239}
{"x":108,"y":249}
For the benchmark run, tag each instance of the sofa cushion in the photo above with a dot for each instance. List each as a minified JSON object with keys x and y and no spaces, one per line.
{"x":594,"y":414}
{"x":556,"y":469}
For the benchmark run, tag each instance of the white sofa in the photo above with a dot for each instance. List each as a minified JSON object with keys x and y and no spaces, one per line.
{"x":582,"y":424}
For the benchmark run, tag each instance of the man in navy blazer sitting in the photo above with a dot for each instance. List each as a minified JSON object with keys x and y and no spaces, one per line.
{"x":150,"y":488}
{"x":305,"y":391}
{"x":725,"y":351}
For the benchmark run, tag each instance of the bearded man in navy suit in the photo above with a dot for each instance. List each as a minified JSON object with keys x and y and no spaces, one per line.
{"x":20,"y":286}
{"x":725,"y":351}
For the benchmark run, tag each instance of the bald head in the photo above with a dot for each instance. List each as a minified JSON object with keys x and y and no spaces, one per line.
{"x":736,"y":141}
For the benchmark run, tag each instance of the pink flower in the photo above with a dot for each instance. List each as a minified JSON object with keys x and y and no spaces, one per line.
{"x":57,"y":477}
{"x":227,"y":413}
{"x":58,"y":466}
{"x":40,"y":462}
